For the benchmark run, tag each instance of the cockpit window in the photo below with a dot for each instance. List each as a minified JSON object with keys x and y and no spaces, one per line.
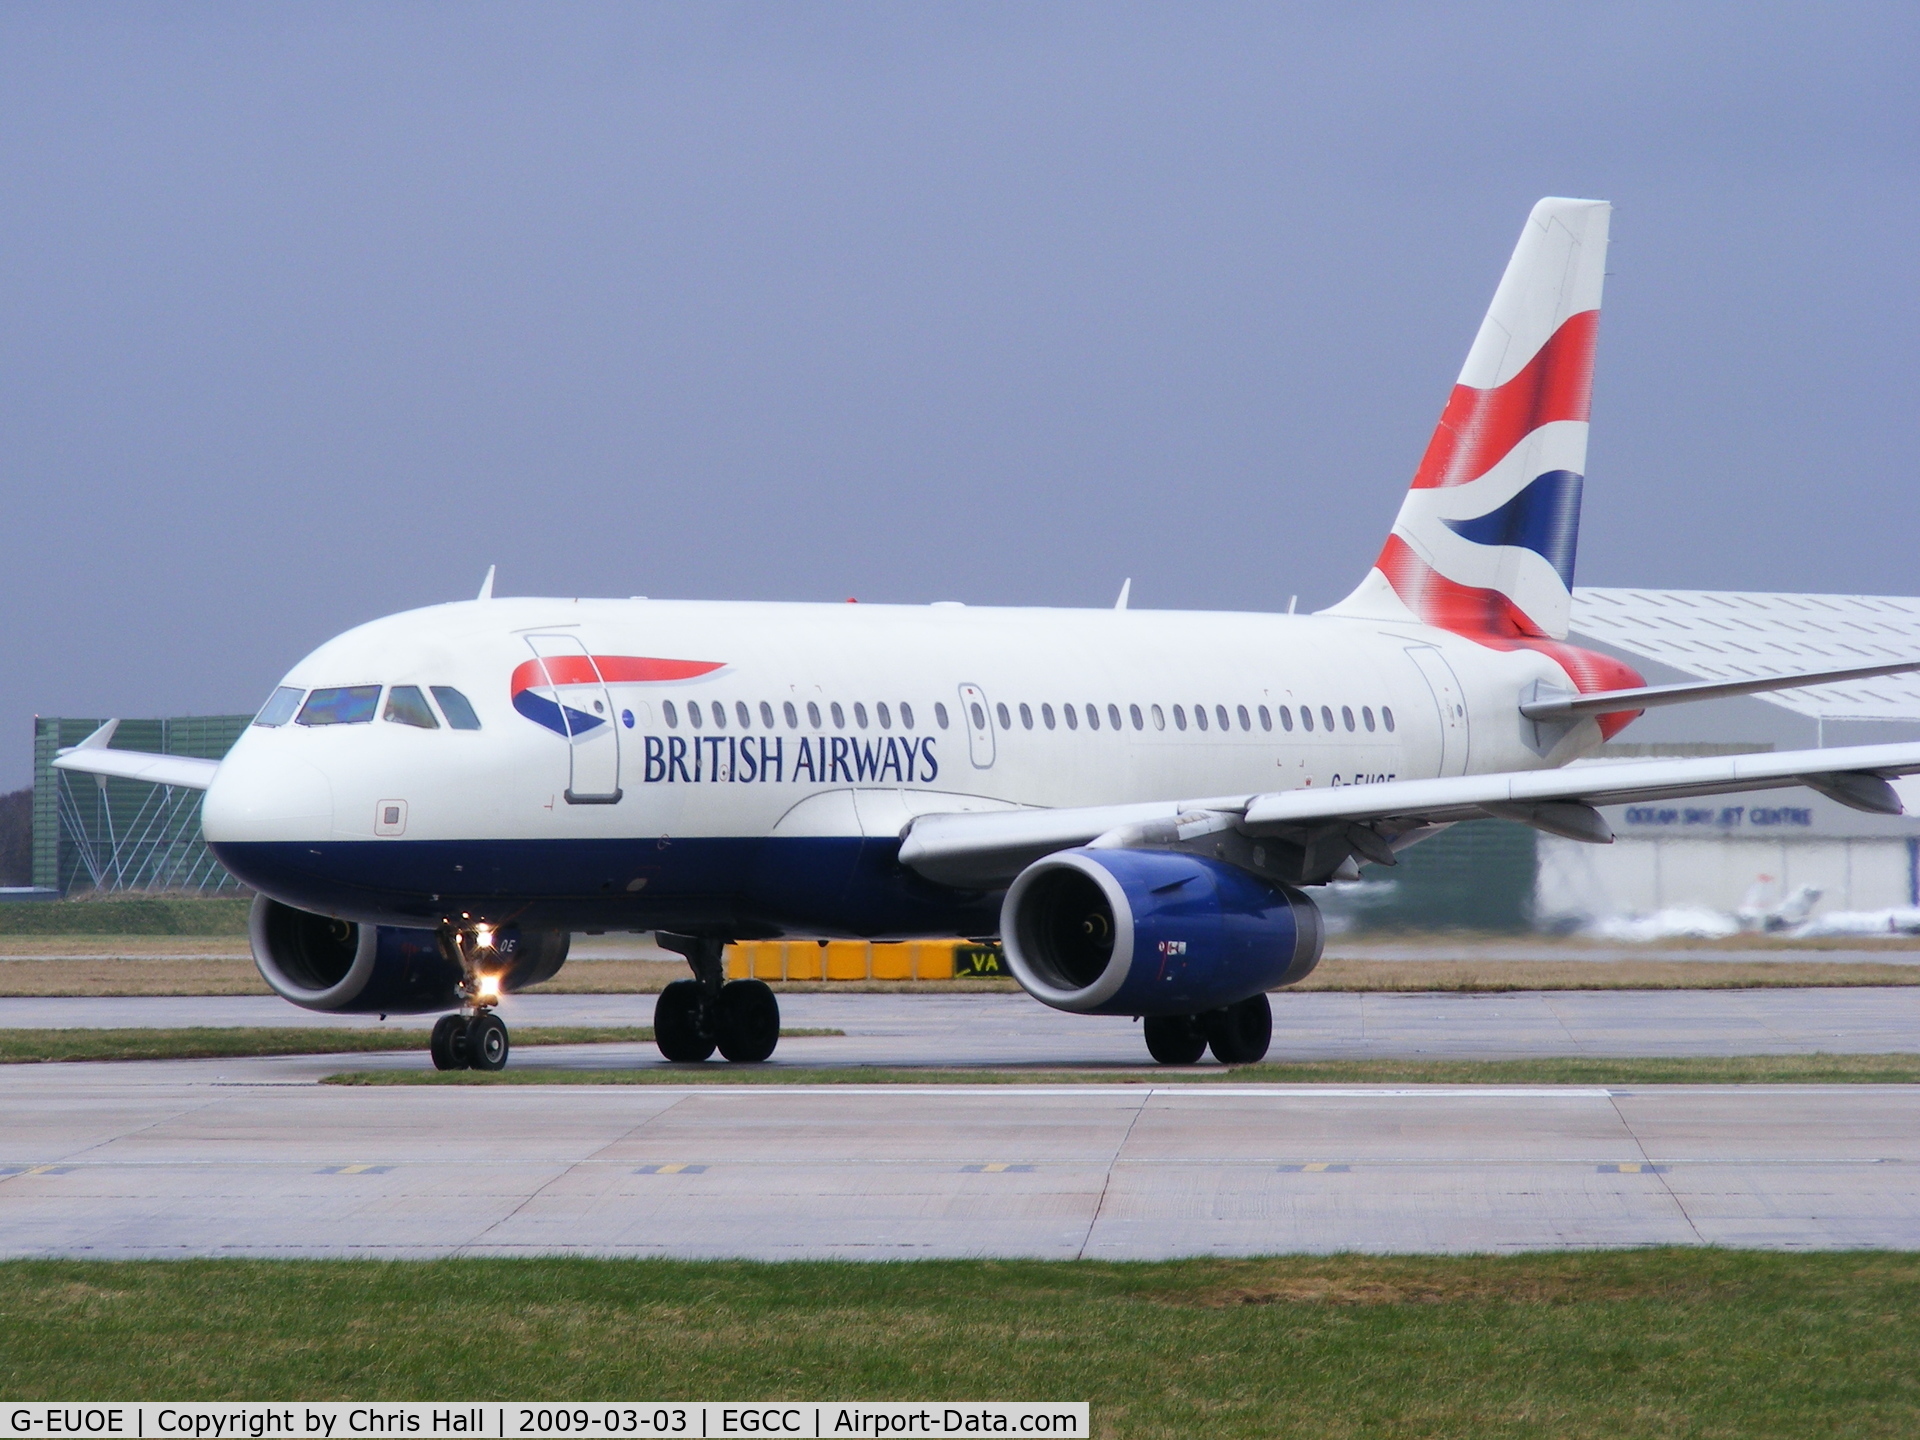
{"x":407,"y":706}
{"x":456,"y":707}
{"x":280,"y":706}
{"x":341,"y":705}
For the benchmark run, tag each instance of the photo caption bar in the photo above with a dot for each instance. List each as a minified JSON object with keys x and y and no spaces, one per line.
{"x":543,"y":1420}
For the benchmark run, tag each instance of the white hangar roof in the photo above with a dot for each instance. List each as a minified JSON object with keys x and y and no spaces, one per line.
{"x":1737,"y":634}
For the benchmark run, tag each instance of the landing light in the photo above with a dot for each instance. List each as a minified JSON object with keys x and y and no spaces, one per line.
{"x":489,"y":987}
{"x":482,"y":936}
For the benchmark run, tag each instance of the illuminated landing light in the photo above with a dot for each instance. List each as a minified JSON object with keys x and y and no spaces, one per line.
{"x":489,"y":988}
{"x":482,"y":936}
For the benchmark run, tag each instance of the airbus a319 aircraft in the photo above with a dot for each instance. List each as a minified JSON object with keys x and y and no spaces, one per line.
{"x":1138,"y":803}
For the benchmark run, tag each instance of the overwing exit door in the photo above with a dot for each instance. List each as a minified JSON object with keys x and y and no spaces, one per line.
{"x":586,"y":712}
{"x":979,"y":722}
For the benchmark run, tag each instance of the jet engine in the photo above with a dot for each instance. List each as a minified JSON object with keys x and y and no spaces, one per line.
{"x":1153,"y":932}
{"x":321,"y":963}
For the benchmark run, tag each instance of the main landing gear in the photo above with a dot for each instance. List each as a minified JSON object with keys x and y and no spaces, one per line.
{"x":476,"y":1038}
{"x":693,"y":1018}
{"x":1238,"y":1034}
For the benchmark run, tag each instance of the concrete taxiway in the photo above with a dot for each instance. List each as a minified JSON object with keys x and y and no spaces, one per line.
{"x":252,"y":1157}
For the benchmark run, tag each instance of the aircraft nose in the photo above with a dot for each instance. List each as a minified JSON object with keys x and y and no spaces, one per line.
{"x":258,"y":796}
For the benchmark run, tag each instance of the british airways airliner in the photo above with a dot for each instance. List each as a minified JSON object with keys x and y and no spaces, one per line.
{"x":1138,"y":803}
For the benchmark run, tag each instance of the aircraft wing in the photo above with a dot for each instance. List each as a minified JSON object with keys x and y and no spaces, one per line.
{"x":1365,"y":821}
{"x":92,"y":757}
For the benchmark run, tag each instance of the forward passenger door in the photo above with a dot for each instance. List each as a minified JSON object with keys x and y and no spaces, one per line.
{"x":586,"y":709}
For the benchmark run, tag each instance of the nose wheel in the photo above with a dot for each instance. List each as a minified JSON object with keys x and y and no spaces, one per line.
{"x":476,"y":1038}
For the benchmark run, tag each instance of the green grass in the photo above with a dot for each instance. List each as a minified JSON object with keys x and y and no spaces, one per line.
{"x":1819,"y":1069}
{"x":221,"y":915}
{"x":1697,"y":1343}
{"x":211,"y":1042}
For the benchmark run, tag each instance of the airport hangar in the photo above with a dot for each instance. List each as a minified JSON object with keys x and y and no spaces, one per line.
{"x":125,"y":836}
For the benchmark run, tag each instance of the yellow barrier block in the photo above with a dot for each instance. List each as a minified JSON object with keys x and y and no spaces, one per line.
{"x":892,"y":962}
{"x":847,"y":960}
{"x":739,"y":967}
{"x":769,"y":960}
{"x":933,"y":960}
{"x":806,"y":960}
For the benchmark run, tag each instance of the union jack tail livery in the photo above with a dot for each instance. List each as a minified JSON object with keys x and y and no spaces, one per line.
{"x":1484,"y":542}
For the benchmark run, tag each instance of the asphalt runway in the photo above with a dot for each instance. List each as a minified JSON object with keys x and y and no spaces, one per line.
{"x":252,"y":1157}
{"x":1002,"y":1029}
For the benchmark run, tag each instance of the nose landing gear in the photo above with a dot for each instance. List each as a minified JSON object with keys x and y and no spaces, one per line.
{"x":475,"y":1038}
{"x":693,"y":1018}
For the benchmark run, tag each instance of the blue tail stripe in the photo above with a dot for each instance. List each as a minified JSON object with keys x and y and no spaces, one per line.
{"x":1543,"y":518}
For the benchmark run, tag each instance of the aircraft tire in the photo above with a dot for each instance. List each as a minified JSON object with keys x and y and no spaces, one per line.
{"x":487,"y":1042}
{"x":748,"y":1025}
{"x":1175,"y":1039}
{"x":449,"y":1043}
{"x":1241,"y":1033}
{"x":683,"y":1022}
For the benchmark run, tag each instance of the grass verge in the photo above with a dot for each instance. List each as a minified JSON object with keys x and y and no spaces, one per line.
{"x":1820,"y":1069}
{"x":1624,"y":1343}
{"x":221,"y":1042}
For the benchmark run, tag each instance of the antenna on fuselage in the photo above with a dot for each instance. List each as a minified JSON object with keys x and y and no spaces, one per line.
{"x":486,"y":586}
{"x":1126,"y":589}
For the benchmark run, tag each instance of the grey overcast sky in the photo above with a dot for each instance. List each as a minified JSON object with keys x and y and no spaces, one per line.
{"x":309,"y":313}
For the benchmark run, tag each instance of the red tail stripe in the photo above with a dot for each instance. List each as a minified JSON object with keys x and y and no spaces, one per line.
{"x":1479,"y":427}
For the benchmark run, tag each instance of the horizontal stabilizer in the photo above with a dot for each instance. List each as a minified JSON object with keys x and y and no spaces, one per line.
{"x":92,"y":757}
{"x":1614,"y":702}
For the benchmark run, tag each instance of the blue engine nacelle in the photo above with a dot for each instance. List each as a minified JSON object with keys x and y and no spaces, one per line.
{"x":1153,"y":932}
{"x":320,"y":963}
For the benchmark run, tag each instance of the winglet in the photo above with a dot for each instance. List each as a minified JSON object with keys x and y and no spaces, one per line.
{"x":98,"y":740}
{"x":1126,"y":589}
{"x":486,"y":586}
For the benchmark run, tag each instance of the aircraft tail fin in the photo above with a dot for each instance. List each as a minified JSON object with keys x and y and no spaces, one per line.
{"x":1484,"y":542}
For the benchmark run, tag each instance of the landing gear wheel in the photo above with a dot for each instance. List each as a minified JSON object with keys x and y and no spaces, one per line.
{"x":1240,"y":1033}
{"x":449,"y":1043}
{"x":748,"y":1025}
{"x":487,"y":1042}
{"x":683,"y":1022}
{"x":1175,"y":1039}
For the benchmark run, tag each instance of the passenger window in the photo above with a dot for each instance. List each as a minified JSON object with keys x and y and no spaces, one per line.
{"x":1046,"y":716}
{"x":1346,"y":715}
{"x":813,"y":714}
{"x":1266,"y":720}
{"x":1179,"y":717}
{"x":1306,"y":717}
{"x":1073,"y":720}
{"x":839,"y":715}
{"x":1113,"y":715}
{"x":940,"y":714}
{"x":1159,"y":717}
{"x":1026,"y":716}
{"x":1200,"y":717}
{"x":719,"y":716}
{"x":1246,"y":721}
{"x":1286,"y":719}
{"x":1326,"y":718}
{"x":766,"y":715}
{"x":906,"y":716}
{"x":885,"y":715}
{"x":281,"y":707}
{"x":407,"y":706}
{"x":742,"y":714}
{"x":341,"y":705}
{"x":1220,"y":714}
{"x":1366,"y":717}
{"x":1386,"y":718}
{"x":456,"y":707}
{"x":1093,"y":717}
{"x":793,"y":716}
{"x":672,"y":714}
{"x":1006,"y":720}
{"x":693,"y":714}
{"x":860,"y":714}
{"x":979,"y":715}
{"x":1133,"y":714}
